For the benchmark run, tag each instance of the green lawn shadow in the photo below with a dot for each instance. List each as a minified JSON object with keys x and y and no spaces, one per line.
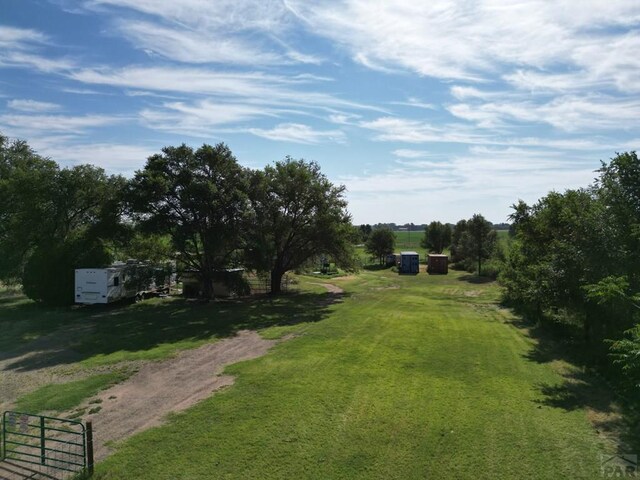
{"x":583,"y":387}
{"x":82,"y":333}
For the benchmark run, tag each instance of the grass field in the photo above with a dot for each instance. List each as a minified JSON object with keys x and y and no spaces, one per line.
{"x":408,"y":377}
{"x":65,"y":396}
{"x":410,"y":241}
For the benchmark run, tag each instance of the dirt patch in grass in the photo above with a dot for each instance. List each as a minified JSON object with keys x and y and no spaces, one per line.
{"x":158,"y":388}
{"x":345,"y":277}
{"x":472,"y":293}
{"x":331,"y":288}
{"x":44,"y":361}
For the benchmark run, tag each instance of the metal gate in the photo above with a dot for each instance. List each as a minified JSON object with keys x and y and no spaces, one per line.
{"x":53,"y":444}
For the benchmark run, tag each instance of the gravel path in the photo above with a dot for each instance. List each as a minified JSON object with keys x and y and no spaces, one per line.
{"x":143,"y":401}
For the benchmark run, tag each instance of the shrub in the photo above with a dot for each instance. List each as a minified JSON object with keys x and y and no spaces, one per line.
{"x":49,"y":275}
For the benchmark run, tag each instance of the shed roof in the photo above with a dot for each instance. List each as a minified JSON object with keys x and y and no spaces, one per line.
{"x":408,"y":253}
{"x":438,"y":255}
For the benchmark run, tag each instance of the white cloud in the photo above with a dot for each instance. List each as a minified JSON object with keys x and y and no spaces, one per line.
{"x":32,"y":106}
{"x":11,"y":37}
{"x":567,"y":112}
{"x":298,"y":133}
{"x":344,"y":118}
{"x":195,"y":46}
{"x":83,"y":91}
{"x":408,"y":153}
{"x":485,"y":180}
{"x":31,"y":126}
{"x":225,"y":15}
{"x":416,"y":103}
{"x":201,"y":118}
{"x":114,"y":158}
{"x":474,"y":40}
{"x":462,"y":93}
{"x":396,"y":129}
{"x":244,"y":32}
{"x":251,"y":87}
{"x":21,"y":48}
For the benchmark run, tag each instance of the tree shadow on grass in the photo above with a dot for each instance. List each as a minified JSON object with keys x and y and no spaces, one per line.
{"x":610,"y":416}
{"x":375,"y":267}
{"x":582,"y":386}
{"x":144,"y":326}
{"x":475,"y":279}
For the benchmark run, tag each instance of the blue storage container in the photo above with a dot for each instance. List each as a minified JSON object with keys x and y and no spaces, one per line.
{"x":409,"y":262}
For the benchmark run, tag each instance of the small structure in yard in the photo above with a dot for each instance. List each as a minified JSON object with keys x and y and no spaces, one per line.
{"x":392,"y":259}
{"x":409,"y":262}
{"x":437,"y":263}
{"x":228,"y":282}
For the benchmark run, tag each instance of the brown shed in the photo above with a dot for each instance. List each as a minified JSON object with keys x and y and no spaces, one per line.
{"x":437,"y":264}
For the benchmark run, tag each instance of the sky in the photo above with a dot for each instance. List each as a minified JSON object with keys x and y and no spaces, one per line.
{"x":424,"y":110}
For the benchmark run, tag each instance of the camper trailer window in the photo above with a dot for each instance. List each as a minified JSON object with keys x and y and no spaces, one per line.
{"x":116,"y":281}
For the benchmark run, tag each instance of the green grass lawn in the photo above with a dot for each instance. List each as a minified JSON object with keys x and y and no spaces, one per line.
{"x":409,"y":377}
{"x":62,"y":397}
{"x":152,"y":330}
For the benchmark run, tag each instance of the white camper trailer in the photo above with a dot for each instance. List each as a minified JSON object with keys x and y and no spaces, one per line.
{"x":102,"y":285}
{"x":118,"y":282}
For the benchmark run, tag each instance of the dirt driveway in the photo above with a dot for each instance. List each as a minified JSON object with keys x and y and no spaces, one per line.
{"x":172,"y":385}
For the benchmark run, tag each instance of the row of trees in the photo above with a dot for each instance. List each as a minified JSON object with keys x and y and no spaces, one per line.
{"x":575,"y":259}
{"x":471,"y":241}
{"x":200,"y":206}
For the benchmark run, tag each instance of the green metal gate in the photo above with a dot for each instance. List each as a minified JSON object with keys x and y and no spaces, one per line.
{"x":55,"y":444}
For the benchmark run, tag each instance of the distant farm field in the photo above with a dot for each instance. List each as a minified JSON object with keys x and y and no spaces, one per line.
{"x":409,"y":241}
{"x":405,"y":377}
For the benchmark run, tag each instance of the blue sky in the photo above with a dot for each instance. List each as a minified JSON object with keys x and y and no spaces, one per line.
{"x":424,"y":110}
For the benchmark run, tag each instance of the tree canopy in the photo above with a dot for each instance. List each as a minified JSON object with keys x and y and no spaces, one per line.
{"x":198,"y":198}
{"x":437,"y":237}
{"x":296,"y":214}
{"x":473,"y":241}
{"x":54,"y":216}
{"x":575,"y":256}
{"x":381,"y":242}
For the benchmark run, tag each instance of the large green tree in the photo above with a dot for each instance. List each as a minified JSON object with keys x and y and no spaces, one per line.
{"x":437,"y":237}
{"x":381,"y":243}
{"x":53,"y":216}
{"x":457,"y":254}
{"x":479,"y":240}
{"x":27,"y":188}
{"x":575,"y":256}
{"x":198,"y":198}
{"x":297,"y":214}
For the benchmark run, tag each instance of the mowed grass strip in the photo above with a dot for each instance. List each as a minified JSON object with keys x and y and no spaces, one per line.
{"x":410,"y":377}
{"x":62,"y":397}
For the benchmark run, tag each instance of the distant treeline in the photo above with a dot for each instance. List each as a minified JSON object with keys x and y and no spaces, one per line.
{"x":417,"y":227}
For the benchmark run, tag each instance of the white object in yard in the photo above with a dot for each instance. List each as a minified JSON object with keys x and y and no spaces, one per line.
{"x":102,"y":285}
{"x":123,"y":280}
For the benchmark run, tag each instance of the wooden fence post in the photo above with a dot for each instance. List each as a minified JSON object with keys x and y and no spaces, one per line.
{"x":90,"y":447}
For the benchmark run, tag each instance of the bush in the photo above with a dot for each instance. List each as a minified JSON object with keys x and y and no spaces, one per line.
{"x":626,"y":354}
{"x":492,"y":268}
{"x":49,"y":275}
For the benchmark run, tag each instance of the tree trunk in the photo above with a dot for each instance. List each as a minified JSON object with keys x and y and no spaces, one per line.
{"x":207,"y":285}
{"x":276,"y":282}
{"x":479,"y":257}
